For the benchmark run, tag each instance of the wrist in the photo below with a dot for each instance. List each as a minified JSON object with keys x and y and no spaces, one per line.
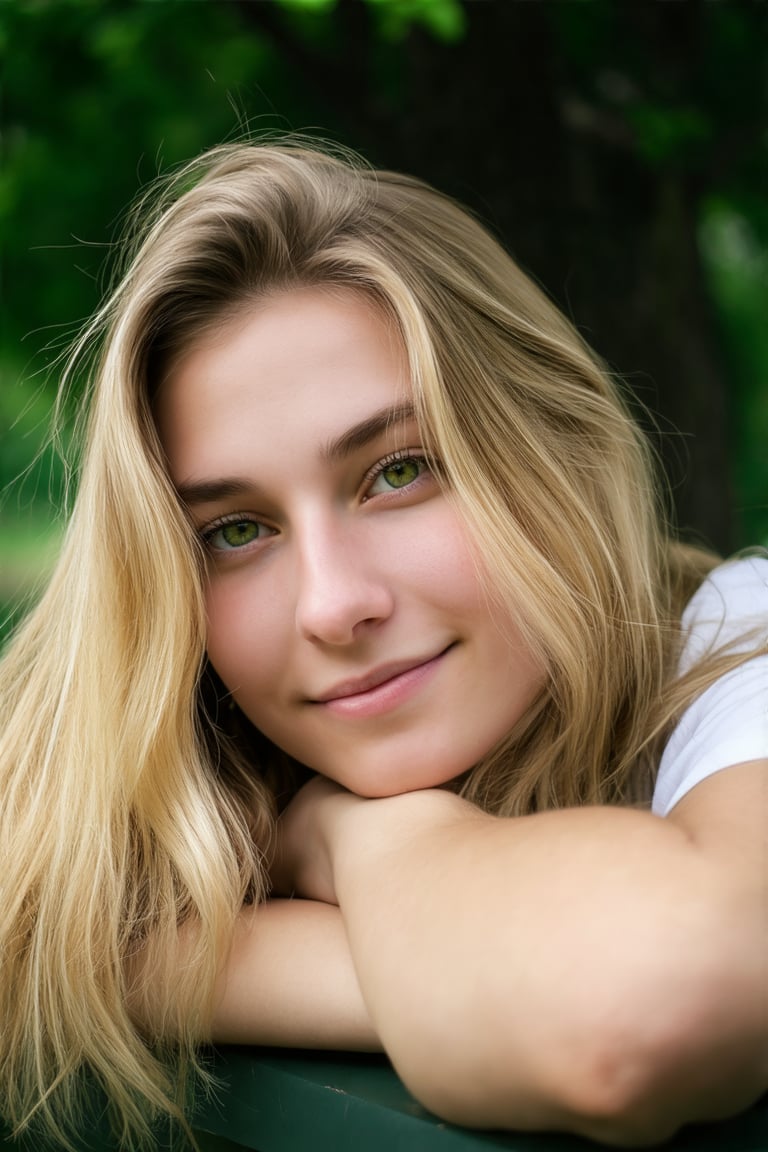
{"x":367,"y":833}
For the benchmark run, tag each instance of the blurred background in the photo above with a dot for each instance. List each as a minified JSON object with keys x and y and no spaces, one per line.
{"x":619,"y":150}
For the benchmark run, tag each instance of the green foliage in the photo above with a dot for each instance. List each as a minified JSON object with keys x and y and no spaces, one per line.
{"x":309,"y":5}
{"x":30,"y":475}
{"x":679,"y":78}
{"x":445,"y":19}
{"x":102,"y":96}
{"x":99,"y":97}
{"x":737,"y":264}
{"x":683,"y":87}
{"x":664,"y":134}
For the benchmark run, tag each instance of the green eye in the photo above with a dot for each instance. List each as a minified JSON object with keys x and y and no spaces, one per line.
{"x":395,"y":474}
{"x":234,"y":534}
{"x":241,"y":533}
{"x":402,"y":473}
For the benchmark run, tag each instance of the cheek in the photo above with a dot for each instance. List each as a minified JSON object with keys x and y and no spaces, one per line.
{"x":450,"y":567}
{"x":467,"y":591}
{"x":243,"y":641}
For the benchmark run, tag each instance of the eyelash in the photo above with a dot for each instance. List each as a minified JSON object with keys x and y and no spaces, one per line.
{"x":403,"y":456}
{"x":207,"y":534}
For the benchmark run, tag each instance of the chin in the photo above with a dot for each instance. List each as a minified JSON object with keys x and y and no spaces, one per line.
{"x":381,"y":786}
{"x":379,"y":791}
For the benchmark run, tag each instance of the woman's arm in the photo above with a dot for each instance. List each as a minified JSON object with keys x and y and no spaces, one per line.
{"x":597,"y":970}
{"x":289,"y":981}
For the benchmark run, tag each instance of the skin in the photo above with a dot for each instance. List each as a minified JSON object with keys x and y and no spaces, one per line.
{"x":345,"y":612}
{"x":595,"y":970}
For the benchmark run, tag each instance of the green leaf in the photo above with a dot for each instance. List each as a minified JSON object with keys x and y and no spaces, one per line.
{"x":445,"y":19}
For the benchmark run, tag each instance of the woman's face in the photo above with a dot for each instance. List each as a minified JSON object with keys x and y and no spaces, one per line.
{"x":345,"y":612}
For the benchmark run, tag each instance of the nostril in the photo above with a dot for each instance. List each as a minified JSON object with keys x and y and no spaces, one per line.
{"x":334,"y":609}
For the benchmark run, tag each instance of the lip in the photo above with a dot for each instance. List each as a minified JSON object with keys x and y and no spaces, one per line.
{"x":381,"y":689}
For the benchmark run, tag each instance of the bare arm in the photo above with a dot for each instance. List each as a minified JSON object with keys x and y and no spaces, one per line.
{"x":595,"y":970}
{"x":290,"y":981}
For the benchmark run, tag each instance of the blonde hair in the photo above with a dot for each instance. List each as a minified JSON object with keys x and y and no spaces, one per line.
{"x":127,"y":808}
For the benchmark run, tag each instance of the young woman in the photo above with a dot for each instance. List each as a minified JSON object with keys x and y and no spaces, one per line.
{"x":356,"y":500}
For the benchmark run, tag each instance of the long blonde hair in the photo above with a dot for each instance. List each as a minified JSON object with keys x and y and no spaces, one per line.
{"x":128,"y":808}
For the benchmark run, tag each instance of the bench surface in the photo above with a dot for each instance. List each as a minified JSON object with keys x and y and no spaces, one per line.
{"x":296,"y":1101}
{"x":274,"y":1100}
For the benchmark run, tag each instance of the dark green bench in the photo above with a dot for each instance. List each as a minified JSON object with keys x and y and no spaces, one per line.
{"x":272,"y":1100}
{"x":280,"y":1101}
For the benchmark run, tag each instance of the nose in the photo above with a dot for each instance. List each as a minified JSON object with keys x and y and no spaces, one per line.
{"x":343,"y":588}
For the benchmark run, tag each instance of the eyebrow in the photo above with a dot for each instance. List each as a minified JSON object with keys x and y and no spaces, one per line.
{"x":210,"y":491}
{"x":367,"y":430}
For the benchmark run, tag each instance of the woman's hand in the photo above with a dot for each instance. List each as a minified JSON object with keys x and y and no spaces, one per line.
{"x":303,"y":860}
{"x":323,"y":818}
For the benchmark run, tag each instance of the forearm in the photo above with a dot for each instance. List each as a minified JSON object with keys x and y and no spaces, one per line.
{"x":537,"y":972}
{"x":289,"y":981}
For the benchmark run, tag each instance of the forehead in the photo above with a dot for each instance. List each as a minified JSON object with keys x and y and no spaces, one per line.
{"x":293,"y":369}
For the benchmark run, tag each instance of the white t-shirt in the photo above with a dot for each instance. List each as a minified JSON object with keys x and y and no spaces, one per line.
{"x":727,"y":724}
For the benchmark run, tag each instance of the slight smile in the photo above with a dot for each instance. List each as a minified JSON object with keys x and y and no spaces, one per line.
{"x":382,"y":689}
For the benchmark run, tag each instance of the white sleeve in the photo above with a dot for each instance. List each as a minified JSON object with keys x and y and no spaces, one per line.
{"x":728,"y":723}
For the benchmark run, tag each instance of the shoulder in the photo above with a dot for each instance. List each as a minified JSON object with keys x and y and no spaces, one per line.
{"x":727,"y":723}
{"x":727,"y":610}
